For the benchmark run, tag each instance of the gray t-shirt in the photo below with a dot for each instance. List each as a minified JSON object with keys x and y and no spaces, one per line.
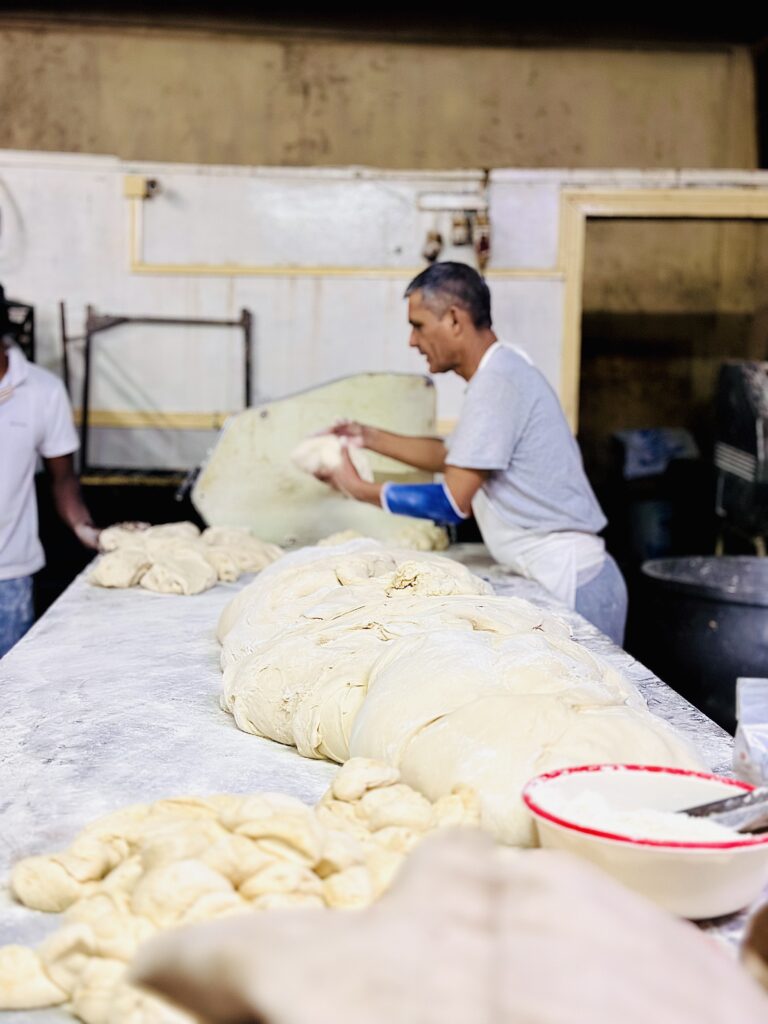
{"x":512,"y":424}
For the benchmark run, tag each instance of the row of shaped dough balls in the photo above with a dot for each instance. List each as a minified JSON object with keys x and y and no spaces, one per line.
{"x":176,"y":558}
{"x":178,"y":861}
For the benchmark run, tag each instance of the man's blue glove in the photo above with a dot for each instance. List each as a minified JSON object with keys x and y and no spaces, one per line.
{"x":423,"y":501}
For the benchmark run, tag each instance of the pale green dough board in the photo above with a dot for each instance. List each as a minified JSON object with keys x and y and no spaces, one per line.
{"x":249,"y":480}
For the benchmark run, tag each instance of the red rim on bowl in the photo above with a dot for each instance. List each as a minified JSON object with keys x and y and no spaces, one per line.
{"x":533,"y":806}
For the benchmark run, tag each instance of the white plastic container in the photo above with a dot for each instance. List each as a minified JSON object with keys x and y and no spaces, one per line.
{"x":693,"y":879}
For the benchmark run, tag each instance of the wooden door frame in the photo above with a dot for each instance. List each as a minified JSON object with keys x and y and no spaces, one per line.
{"x":577,"y":206}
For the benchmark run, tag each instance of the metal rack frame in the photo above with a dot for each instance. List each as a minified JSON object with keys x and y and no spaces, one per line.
{"x":22,"y":320}
{"x":96,"y":323}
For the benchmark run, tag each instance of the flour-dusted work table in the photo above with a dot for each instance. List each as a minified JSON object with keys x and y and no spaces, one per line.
{"x":113,"y":699}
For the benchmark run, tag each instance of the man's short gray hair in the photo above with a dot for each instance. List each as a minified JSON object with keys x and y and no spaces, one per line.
{"x":447,"y":284}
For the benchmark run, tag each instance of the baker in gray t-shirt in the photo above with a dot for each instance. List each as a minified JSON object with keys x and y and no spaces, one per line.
{"x":512,"y":460}
{"x":511,"y":423}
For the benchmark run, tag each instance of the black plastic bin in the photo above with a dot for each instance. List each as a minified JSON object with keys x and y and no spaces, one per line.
{"x":705,"y":623}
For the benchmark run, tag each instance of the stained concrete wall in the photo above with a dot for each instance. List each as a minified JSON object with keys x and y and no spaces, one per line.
{"x":666,"y":302}
{"x":242,"y":98}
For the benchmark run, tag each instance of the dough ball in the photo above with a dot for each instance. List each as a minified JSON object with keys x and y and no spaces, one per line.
{"x":224,"y":562}
{"x":121,"y":535}
{"x":458,"y":809}
{"x":350,"y":888}
{"x":165,"y":894}
{"x":323,"y":453}
{"x":214,"y":905}
{"x":395,"y":806}
{"x":436,"y":578}
{"x":90,"y":858}
{"x":361,"y":774}
{"x":65,"y":954}
{"x":180,"y":572}
{"x":248,"y":552}
{"x":340,"y":850}
{"x":173,"y":531}
{"x":113,"y":931}
{"x":24,"y":985}
{"x":236,"y":857}
{"x":170,"y":840}
{"x":422,"y":535}
{"x":121,"y":568}
{"x":93,"y":996}
{"x":43,"y":884}
{"x":281,"y":877}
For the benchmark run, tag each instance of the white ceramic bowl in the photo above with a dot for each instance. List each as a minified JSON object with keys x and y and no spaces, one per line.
{"x":693,"y":879}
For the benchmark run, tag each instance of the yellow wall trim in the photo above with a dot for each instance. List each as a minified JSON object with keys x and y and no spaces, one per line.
{"x":138,"y":265}
{"x":134,"y":419}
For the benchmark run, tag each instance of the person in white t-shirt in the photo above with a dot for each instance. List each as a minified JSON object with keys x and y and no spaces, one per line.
{"x":35,"y":422}
{"x":512,"y":460}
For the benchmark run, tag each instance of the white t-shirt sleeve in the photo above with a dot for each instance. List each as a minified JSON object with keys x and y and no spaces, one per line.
{"x":492,"y":420}
{"x":59,"y":436}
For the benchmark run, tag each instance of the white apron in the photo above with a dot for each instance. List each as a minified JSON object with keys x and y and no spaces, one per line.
{"x":554,"y":560}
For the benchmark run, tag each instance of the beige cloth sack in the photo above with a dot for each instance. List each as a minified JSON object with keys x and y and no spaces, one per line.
{"x":470,"y":932}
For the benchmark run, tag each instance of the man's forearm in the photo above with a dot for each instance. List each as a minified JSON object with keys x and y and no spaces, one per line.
{"x":369,"y":492}
{"x":68,"y":499}
{"x":421,"y":452}
{"x":69,"y":503}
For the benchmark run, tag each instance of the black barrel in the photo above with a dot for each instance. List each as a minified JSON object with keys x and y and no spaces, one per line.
{"x":706,"y":624}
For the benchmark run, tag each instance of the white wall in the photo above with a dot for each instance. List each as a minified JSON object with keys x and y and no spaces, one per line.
{"x":64,"y":234}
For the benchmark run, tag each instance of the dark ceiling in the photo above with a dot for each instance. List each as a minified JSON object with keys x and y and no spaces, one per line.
{"x":431,"y":21}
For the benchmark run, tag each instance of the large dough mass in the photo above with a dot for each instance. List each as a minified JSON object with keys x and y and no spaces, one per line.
{"x":371,"y":651}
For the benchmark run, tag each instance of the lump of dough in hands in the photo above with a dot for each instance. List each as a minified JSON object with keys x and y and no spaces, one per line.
{"x":180,"y":572}
{"x":24,"y":984}
{"x":323,"y":453}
